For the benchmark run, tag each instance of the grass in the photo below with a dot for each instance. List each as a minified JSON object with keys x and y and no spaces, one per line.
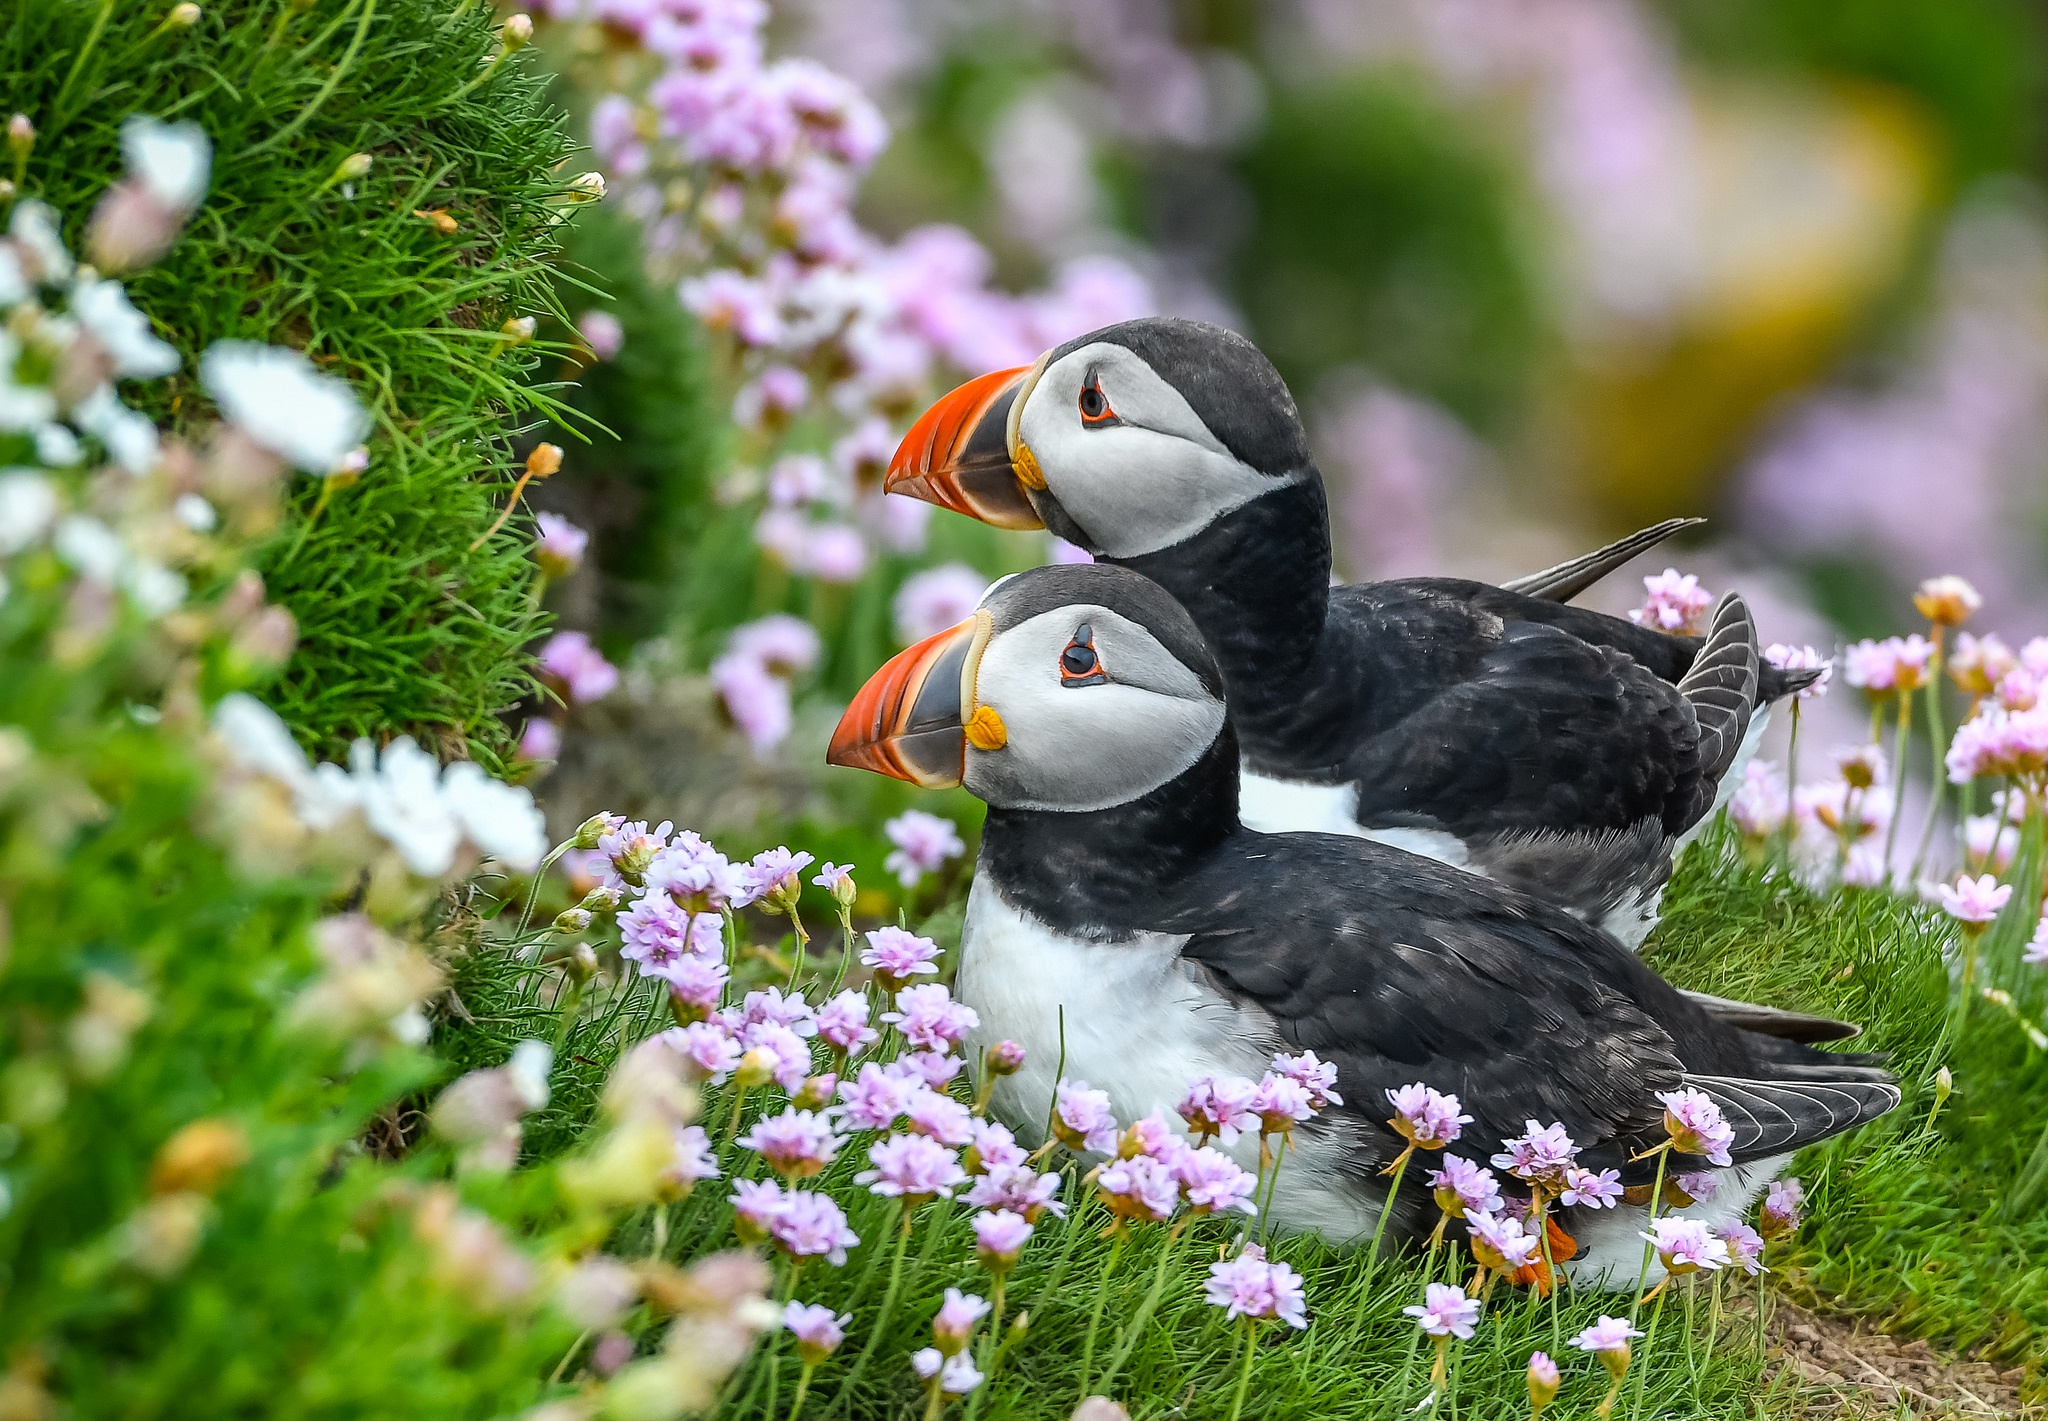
{"x":426,"y":635}
{"x":1901,"y":1229}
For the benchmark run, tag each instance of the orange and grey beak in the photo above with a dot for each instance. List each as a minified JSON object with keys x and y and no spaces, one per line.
{"x":911,"y":720}
{"x":959,"y":453}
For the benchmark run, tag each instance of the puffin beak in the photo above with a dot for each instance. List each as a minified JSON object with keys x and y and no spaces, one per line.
{"x":958,"y":454}
{"x":910,"y":721}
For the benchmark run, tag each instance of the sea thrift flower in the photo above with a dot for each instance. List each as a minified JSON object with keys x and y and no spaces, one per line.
{"x":1279,"y":1102}
{"x":277,"y":398}
{"x":817,"y":1331}
{"x":708,"y":1046}
{"x":797,"y":1143}
{"x":955,"y":1375}
{"x":1540,"y":1155}
{"x":773,"y":877}
{"x":837,"y":879}
{"x":1695,"y":1125}
{"x":1674,"y":603}
{"x":1500,"y":1243}
{"x":842,"y":1023}
{"x":913,"y":1168}
{"x":928,"y":1017}
{"x":560,"y":546}
{"x":1781,"y":1207}
{"x":1248,"y":1285}
{"x":1745,"y":1247}
{"x":1946,"y":601}
{"x":1543,"y":1383}
{"x":1426,"y":1118}
{"x":896,"y":956}
{"x":1686,"y":1245}
{"x":1760,"y":803}
{"x":928,"y":1112}
{"x":1462,"y":1187}
{"x":1802,"y":658}
{"x":1082,"y":1119}
{"x":696,"y":985}
{"x":582,"y":670}
{"x":1149,"y":1136}
{"x":1219,"y":1106}
{"x":994,"y":1146}
{"x":2036,"y":954}
{"x":810,"y":1225}
{"x":923,"y":843}
{"x":769,"y":1052}
{"x":602,"y":332}
{"x":999,"y":1236}
{"x":1005,"y":1058}
{"x":1316,"y":1076}
{"x":875,"y":1099}
{"x":1601,"y":1190}
{"x":933,"y":1069}
{"x":1989,"y":843}
{"x":1214,"y":1183}
{"x":755,"y":1204}
{"x":1018,"y":1188}
{"x":1974,"y":902}
{"x":1445,"y":1311}
{"x":935,"y":599}
{"x":956,"y":1319}
{"x":1979,"y":663}
{"x":1608,"y":1339}
{"x":1140,"y":1189}
{"x":1697,"y":1185}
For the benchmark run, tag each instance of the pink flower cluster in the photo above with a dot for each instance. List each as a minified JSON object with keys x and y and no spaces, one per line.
{"x":1674,"y":603}
{"x":1893,"y":666}
{"x":1996,"y":741}
{"x":753,"y":676}
{"x":1802,"y":658}
{"x":577,"y":667}
{"x":923,"y":844}
{"x":1251,"y":1285}
{"x":1425,"y":1118}
{"x":1696,"y":1125}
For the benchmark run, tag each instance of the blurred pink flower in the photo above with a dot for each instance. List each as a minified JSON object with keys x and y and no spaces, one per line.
{"x":584,"y":674}
{"x":1445,"y":1311}
{"x":540,"y":741}
{"x":1974,"y":901}
{"x":935,"y":599}
{"x":1675,"y":603}
{"x":923,"y":844}
{"x":560,"y":546}
{"x":602,"y":332}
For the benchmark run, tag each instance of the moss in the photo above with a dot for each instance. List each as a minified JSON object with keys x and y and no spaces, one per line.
{"x":403,"y":628}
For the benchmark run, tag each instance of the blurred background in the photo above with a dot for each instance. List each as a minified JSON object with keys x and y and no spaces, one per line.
{"x":1539,"y":272}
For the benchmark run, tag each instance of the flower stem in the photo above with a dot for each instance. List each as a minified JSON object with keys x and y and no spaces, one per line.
{"x":1372,"y":1254}
{"x":803,"y":1389}
{"x":1938,"y":780}
{"x":1136,"y":1326}
{"x":1649,"y":1348}
{"x":888,"y":1308}
{"x":1789,"y":823}
{"x":1244,"y":1370}
{"x":1272,"y":1183}
{"x":1656,"y":1198}
{"x":1116,"y":1249}
{"x":1900,"y":744}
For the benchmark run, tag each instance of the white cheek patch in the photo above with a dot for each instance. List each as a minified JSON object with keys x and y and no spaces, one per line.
{"x":1152,"y":481}
{"x":1081,"y":748}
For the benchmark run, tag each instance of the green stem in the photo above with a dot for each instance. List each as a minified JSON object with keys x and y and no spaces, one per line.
{"x":991,"y":1353}
{"x":1272,"y":1183}
{"x":1790,"y":821}
{"x":2020,"y":1202}
{"x":1386,"y":1210}
{"x":1116,"y":1249}
{"x":92,"y":39}
{"x":1899,"y":747}
{"x":1244,"y":1370}
{"x":1649,"y":1349}
{"x":803,"y":1389}
{"x":1136,"y":1327}
{"x":1935,"y":772}
{"x":888,"y":1308}
{"x":1656,"y":1198}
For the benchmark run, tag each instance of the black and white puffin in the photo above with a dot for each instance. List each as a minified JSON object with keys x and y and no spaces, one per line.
{"x":1122,"y":918}
{"x":1498,"y":729}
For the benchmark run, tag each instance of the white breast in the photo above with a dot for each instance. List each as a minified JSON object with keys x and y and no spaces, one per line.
{"x":1138,"y":1022}
{"x":1297,"y":807}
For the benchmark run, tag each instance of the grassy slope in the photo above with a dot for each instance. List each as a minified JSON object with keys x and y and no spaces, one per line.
{"x":423,"y":634}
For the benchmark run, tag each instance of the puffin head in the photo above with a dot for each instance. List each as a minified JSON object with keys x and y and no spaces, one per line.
{"x":1071,"y":688}
{"x":1126,"y":440}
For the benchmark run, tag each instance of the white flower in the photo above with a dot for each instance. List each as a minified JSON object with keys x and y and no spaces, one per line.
{"x":28,"y":505}
{"x":35,"y":227}
{"x":195,"y":513}
{"x":172,"y":160}
{"x":21,"y":406}
{"x":130,"y":437}
{"x":256,"y":739}
{"x":528,"y":1071}
{"x":58,"y":447}
{"x":329,"y":797}
{"x":154,"y":588}
{"x":278,"y":399}
{"x":500,"y":819}
{"x":14,"y":287}
{"x":400,"y":796}
{"x":90,"y":547}
{"x":103,"y":308}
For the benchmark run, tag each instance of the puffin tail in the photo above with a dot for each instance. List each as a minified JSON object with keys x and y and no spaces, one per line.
{"x":1721,"y":686}
{"x":1774,"y":1021}
{"x":1798,"y":1105}
{"x":1568,"y":579}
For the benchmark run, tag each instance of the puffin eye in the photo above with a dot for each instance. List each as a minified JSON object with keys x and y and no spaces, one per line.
{"x":1095,"y":410}
{"x":1079,"y":665}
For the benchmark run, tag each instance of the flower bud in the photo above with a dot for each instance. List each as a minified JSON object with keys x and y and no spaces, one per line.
{"x":21,"y":135}
{"x":1543,"y":1383}
{"x":354,"y":166}
{"x":595,"y":828}
{"x":518,"y":330}
{"x":1005,"y":1058}
{"x":198,"y":1158}
{"x":1947,"y":601}
{"x":184,"y":16}
{"x":600,"y":900}
{"x":516,"y":32}
{"x":587,"y":187}
{"x":571,"y":921}
{"x":582,"y":963}
{"x":1944,"y":1086}
{"x":756,"y":1068}
{"x":545,"y":460}
{"x":844,"y":892}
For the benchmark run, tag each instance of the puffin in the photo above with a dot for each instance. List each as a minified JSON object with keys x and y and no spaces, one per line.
{"x":1499,"y":729}
{"x":1130,"y":930}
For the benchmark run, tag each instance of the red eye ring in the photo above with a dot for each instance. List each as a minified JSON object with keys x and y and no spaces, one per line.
{"x":1079,"y":663}
{"x":1095,"y":408}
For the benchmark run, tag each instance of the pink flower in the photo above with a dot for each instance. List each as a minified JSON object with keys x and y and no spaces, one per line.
{"x":631,"y":848}
{"x":1745,"y":1247}
{"x":2020,"y":689}
{"x":1760,"y":803}
{"x":1697,"y":1185}
{"x":1975,"y":901}
{"x":928,"y":1017}
{"x":1979,"y":663}
{"x":1947,"y":601}
{"x":835,"y":553}
{"x":1279,"y":1102}
{"x":1868,"y":665}
{"x":784,"y":645}
{"x":817,"y":1331}
{"x":708,"y":1046}
{"x":695,"y":873}
{"x":560,"y":546}
{"x":1018,"y":1188}
{"x":1214,"y":1183}
{"x":1500,"y":1243}
{"x":862,"y":455}
{"x":1424,"y":1117}
{"x":1675,"y":603}
{"x":697,"y":983}
{"x":755,"y":1205}
{"x":999,"y":1237}
{"x":913,"y":1168}
{"x":1781,"y":1207}
{"x":1082,"y":1118}
{"x":1541,"y":1155}
{"x":1139,"y":1188}
{"x":810,"y":1225}
{"x":923,"y":843}
{"x":1802,"y":658}
{"x":755,"y":699}
{"x":956,"y":1317}
{"x":1989,"y":843}
{"x":584,"y":674}
{"x":770,"y":1004}
{"x":935,"y":599}
{"x":1250,"y":1286}
{"x":1150,"y":1136}
{"x":602,"y":332}
{"x":775,"y":871}
{"x":654,"y":934}
{"x":694,"y":1159}
{"x":1543,"y":1380}
{"x":875,"y":1099}
{"x":843,"y":1023}
{"x":1686,"y":1245}
{"x":1463,"y":1188}
{"x":774,"y":396}
{"x":797,"y":1143}
{"x":896,"y":956}
{"x":1695,"y":1125}
{"x":1317,"y":1077}
{"x":540,"y":742}
{"x":1006,"y":1058}
{"x":1445,"y":1311}
{"x":730,"y":301}
{"x":1592,"y":1190}
{"x":956,"y":1375}
{"x":931,"y":1067}
{"x":994,"y":1147}
{"x":1220,"y":1106}
{"x":928,"y":1112}
{"x":780,"y":1051}
{"x":1609,"y":1334}
{"x":2036,"y":954}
